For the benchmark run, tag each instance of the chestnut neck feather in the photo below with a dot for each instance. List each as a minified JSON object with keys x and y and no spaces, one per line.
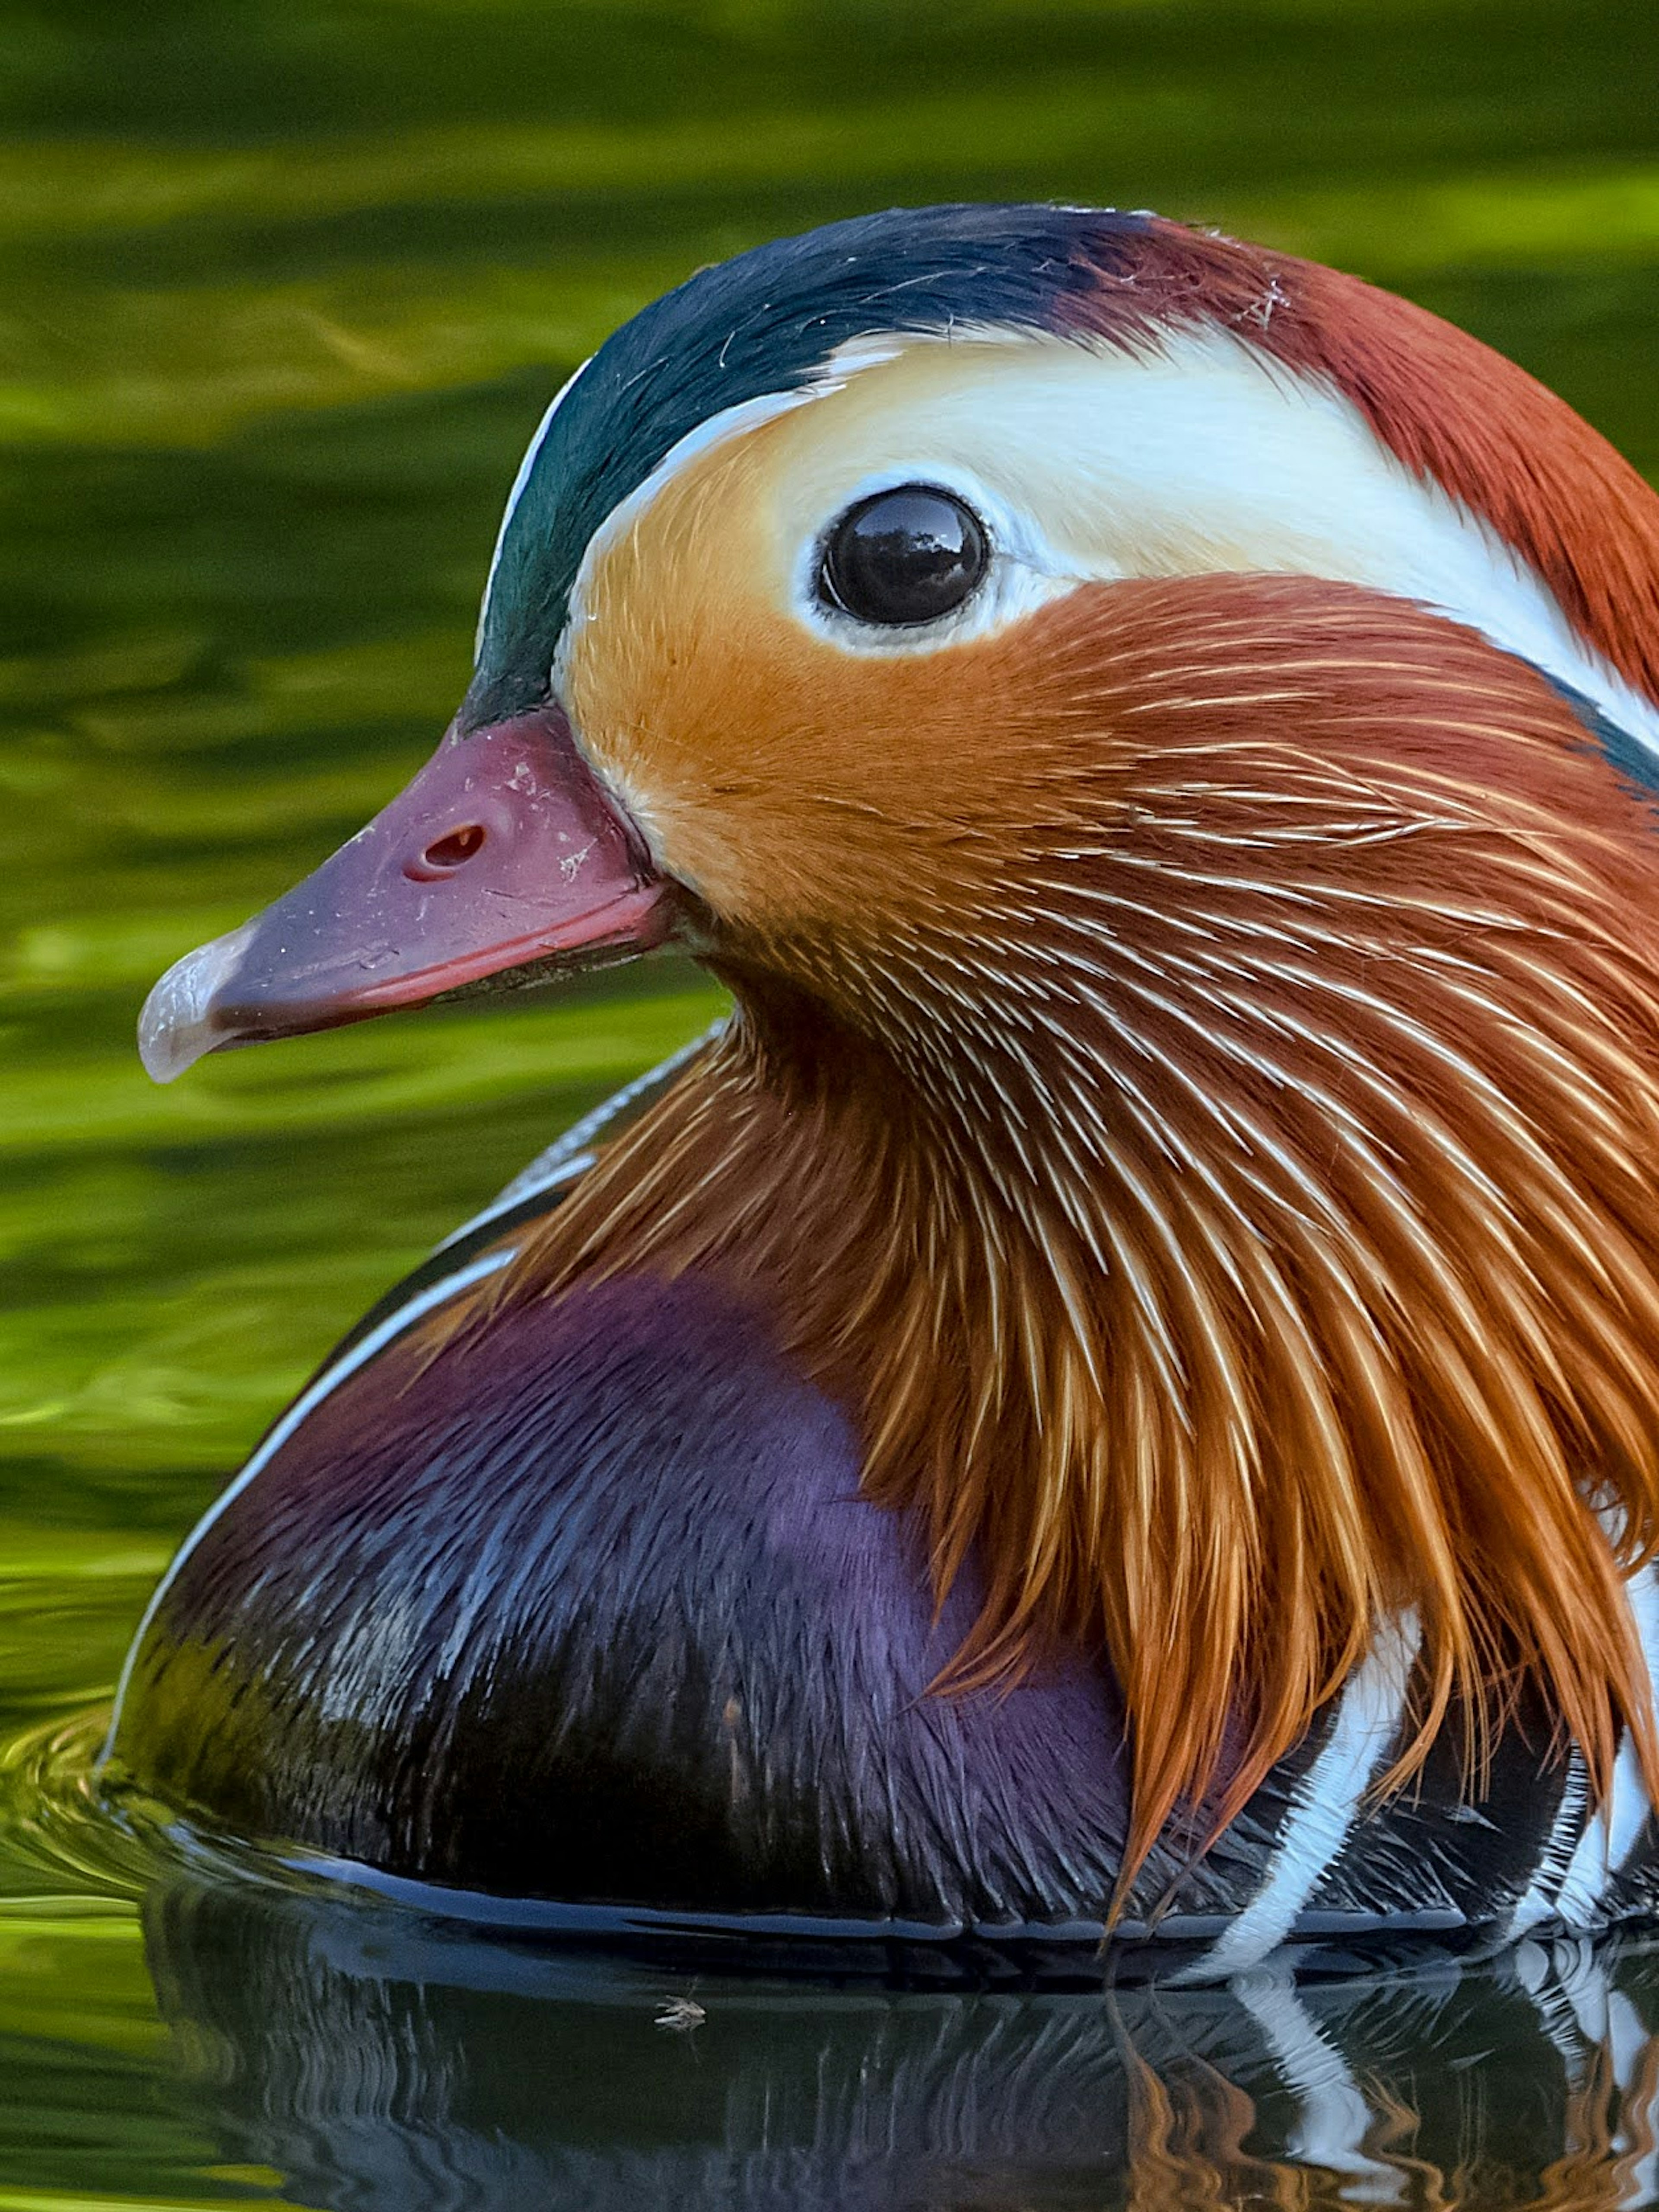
{"x":1222,"y":1183}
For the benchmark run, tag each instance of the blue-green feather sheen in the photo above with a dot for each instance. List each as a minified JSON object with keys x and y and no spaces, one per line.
{"x":765,"y":322}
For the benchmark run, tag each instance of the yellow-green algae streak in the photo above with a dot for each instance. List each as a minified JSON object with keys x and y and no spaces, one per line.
{"x":284,"y":285}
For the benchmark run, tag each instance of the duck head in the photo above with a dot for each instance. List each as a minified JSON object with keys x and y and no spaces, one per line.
{"x":1158,"y":737}
{"x":798,"y":532}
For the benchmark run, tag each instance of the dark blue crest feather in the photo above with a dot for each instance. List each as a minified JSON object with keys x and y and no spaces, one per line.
{"x":762,"y":323}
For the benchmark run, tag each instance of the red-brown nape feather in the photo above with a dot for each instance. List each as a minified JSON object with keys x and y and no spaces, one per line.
{"x":1217,"y":1157}
{"x":1452,"y":411}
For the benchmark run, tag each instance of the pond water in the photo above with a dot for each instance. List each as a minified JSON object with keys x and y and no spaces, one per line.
{"x":287,"y":285}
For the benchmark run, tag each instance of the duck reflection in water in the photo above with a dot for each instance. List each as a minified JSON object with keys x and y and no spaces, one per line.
{"x":380,"y":2064}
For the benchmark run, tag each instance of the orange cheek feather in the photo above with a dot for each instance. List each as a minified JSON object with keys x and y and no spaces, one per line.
{"x":781,"y":776}
{"x":1246,"y":1227}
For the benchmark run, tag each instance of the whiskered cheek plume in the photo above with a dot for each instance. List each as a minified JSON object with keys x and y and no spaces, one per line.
{"x":1228,"y":1194}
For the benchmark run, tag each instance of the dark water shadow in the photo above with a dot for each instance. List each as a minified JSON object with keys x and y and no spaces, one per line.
{"x":380,"y":2064}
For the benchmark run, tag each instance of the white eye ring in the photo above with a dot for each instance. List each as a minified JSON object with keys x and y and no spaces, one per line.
{"x":1019,"y":571}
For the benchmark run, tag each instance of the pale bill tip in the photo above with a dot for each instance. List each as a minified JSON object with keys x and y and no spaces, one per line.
{"x":177,"y":1026}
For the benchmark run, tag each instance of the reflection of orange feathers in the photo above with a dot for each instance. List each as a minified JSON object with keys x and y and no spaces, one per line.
{"x":1196,"y":2136}
{"x":1226,"y":1188}
{"x":1188,"y":2129}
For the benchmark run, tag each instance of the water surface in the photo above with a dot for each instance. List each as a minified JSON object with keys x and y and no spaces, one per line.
{"x":286,"y":284}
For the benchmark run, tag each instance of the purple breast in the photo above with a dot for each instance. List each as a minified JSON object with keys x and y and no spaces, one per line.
{"x":586,"y":1606}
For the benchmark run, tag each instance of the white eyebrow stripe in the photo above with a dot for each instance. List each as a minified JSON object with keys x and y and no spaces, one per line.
{"x":729,"y":423}
{"x":532,"y":454}
{"x":1198,"y":458}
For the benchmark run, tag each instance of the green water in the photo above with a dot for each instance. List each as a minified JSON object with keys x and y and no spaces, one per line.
{"x":284,"y":285}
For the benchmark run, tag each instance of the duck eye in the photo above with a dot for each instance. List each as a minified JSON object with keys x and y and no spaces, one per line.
{"x":906,"y":556}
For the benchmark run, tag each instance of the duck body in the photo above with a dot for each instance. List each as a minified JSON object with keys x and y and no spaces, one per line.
{"x":582,"y":1619}
{"x":1117,"y":1390}
{"x":702,"y":1681}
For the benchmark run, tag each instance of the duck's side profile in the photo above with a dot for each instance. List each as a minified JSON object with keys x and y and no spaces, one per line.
{"x":1121,"y":1389}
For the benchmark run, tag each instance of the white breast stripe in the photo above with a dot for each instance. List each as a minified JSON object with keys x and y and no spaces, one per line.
{"x":434,"y":1295}
{"x":1591,"y":1865}
{"x":1610,"y":1837}
{"x":563,"y":1161}
{"x":544,"y":1174}
{"x":1325,"y":1805}
{"x":1537,"y":1901}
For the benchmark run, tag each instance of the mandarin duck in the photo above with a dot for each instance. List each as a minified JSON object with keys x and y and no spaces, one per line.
{"x":1117,"y":1395}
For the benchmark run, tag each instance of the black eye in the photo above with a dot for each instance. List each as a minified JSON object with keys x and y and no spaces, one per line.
{"x":906,"y":556}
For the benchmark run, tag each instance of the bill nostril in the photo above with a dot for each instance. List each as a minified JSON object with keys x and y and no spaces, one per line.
{"x":460,"y":845}
{"x":448,"y":853}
